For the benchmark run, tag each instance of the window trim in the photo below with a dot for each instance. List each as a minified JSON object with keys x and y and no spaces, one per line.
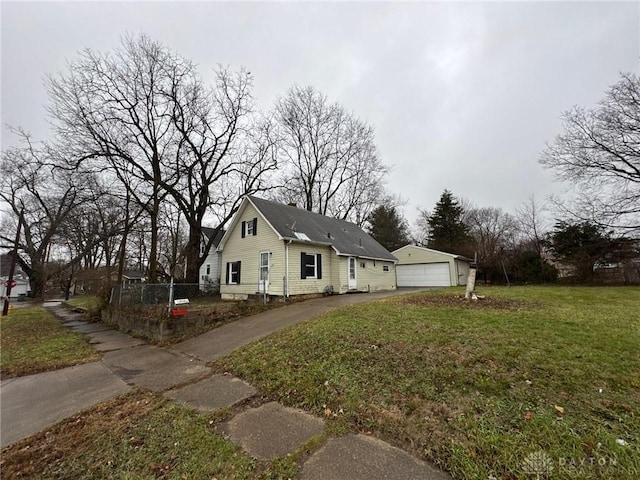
{"x":317,"y":265}
{"x":233,"y":269}
{"x":249,"y":228}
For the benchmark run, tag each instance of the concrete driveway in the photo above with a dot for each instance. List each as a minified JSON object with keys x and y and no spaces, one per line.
{"x":223,"y":340}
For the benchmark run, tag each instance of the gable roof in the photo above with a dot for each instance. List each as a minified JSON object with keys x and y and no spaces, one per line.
{"x":5,"y":265}
{"x":302,"y":226}
{"x":208,"y":232}
{"x":457,"y":257}
{"x":133,"y":274}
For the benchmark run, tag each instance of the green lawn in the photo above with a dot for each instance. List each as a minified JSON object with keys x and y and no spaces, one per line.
{"x":33,"y":341}
{"x":474,"y":388}
{"x":91,"y":304}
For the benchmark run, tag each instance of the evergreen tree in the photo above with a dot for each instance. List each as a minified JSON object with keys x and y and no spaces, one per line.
{"x":584,"y":245}
{"x":447,"y":230}
{"x":388,"y":227}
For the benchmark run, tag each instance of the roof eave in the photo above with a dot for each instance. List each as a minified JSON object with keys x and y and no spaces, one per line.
{"x":367,"y":257}
{"x":307,"y":242}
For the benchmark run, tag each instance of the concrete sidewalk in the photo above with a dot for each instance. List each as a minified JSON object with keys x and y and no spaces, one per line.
{"x":32,"y":403}
{"x":35,"y":402}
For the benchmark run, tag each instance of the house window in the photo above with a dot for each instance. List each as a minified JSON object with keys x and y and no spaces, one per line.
{"x":363,"y":264}
{"x":385,"y":268}
{"x":233,"y":273}
{"x":250,"y":227}
{"x":310,"y":265}
{"x":208,"y":269}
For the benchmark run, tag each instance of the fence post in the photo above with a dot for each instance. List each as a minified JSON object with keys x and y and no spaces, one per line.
{"x":170,"y":297}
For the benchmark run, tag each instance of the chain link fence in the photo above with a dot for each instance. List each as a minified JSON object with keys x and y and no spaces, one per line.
{"x":127,"y":295}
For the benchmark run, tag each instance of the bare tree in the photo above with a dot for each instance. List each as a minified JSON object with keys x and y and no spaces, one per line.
{"x":331,"y":163}
{"x":173,"y":238}
{"x":599,"y":153}
{"x":111,"y":109}
{"x":143,"y":113}
{"x":224,"y":152}
{"x":532,"y":224}
{"x":45,"y":199}
{"x":494,"y":232}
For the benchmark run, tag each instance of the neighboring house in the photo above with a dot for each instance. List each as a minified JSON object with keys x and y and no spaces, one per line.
{"x":282,"y":250}
{"x":425,"y":267}
{"x":22,"y":287}
{"x":210,"y":269}
{"x":132,"y":277}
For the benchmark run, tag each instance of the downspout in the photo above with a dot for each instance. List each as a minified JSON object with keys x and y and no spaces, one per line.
{"x":286,"y":267}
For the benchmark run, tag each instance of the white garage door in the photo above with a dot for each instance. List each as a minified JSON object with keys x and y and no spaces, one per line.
{"x":423,"y":275}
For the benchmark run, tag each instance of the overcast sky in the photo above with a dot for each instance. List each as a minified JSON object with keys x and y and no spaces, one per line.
{"x":462,"y":96}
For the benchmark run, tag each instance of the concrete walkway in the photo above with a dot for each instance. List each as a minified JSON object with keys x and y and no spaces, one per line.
{"x":33,"y":403}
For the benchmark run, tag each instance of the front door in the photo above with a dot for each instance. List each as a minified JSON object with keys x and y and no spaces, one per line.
{"x":264,"y":272}
{"x":352,"y":273}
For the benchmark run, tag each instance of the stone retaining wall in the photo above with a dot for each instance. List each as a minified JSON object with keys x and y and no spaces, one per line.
{"x":151,"y":324}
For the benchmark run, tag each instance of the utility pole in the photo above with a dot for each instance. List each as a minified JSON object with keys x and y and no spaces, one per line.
{"x":12,"y":268}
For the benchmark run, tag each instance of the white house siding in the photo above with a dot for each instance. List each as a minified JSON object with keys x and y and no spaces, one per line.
{"x":210,"y":280}
{"x":334,"y":268}
{"x":372,"y":277}
{"x":339,"y":273}
{"x":300,"y":286}
{"x":247,"y":251}
{"x":22,"y":288}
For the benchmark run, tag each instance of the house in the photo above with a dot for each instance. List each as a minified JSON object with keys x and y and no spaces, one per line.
{"x":425,"y":267}
{"x":280,"y":250}
{"x":22,"y":286}
{"x":132,"y":277}
{"x":210,"y":268}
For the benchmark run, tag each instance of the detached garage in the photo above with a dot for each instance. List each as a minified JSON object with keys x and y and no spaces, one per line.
{"x":425,"y":267}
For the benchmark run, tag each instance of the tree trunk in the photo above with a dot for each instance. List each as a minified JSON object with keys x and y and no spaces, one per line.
{"x":153,"y":249}
{"x":471,"y":281}
{"x":192,"y":254}
{"x":38,"y":280}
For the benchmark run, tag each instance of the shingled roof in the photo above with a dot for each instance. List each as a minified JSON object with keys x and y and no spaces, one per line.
{"x":208,"y":232}
{"x":302,"y":226}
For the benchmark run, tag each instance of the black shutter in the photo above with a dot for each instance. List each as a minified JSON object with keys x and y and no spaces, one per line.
{"x":303,"y":266}
{"x":318,"y":266}
{"x":244,"y":225}
{"x":227,"y":275}
{"x":255,"y":226}
{"x":238,"y":263}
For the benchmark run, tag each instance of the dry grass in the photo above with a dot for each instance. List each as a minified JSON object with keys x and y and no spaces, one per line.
{"x":35,"y":341}
{"x":472,"y":387}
